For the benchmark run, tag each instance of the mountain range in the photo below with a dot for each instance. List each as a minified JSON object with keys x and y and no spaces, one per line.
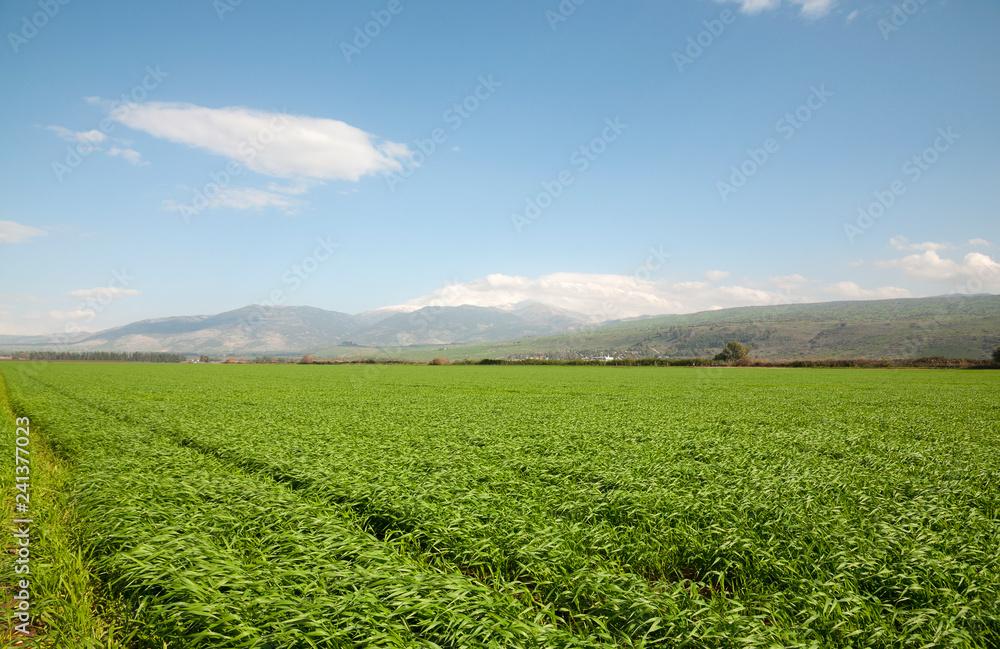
{"x":958,"y":326}
{"x":257,"y":329}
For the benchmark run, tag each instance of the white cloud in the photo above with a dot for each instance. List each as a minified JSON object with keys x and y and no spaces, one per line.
{"x":242,"y":198}
{"x":815,"y":8}
{"x":11,"y":232}
{"x":756,"y":6}
{"x":103,"y":293}
{"x":716,"y":275}
{"x":853,"y":291}
{"x":92,"y":136}
{"x":930,"y":266}
{"x":131,"y":155}
{"x":300,"y":186}
{"x":902,"y":243}
{"x":809,"y":8}
{"x":982,"y":243}
{"x":788,"y":282}
{"x":19,"y":298}
{"x":72,"y":315}
{"x":276,"y":144}
{"x":603,"y":297}
{"x":851,"y":16}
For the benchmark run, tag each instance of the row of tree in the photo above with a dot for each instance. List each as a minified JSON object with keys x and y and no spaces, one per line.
{"x":127,"y":357}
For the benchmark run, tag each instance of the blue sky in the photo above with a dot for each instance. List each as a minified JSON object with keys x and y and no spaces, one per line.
{"x":193,"y":157}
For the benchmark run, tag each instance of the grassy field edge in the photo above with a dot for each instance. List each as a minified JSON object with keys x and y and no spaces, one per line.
{"x":65,"y":606}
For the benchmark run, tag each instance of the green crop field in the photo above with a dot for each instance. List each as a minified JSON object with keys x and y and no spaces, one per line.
{"x":466,"y":506}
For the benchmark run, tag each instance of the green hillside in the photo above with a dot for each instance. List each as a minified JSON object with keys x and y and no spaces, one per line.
{"x":954,"y":326}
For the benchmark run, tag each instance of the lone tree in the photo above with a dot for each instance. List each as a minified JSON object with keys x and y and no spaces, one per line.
{"x":307,"y":359}
{"x":996,"y":355}
{"x":440,"y":360}
{"x":734,"y":351}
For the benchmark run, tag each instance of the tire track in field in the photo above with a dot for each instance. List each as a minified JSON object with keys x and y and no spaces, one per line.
{"x":634,"y":613}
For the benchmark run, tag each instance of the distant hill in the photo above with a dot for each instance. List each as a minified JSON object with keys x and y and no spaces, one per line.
{"x":468,"y":324}
{"x":258,"y":329}
{"x":951,"y":326}
{"x":250,"y":329}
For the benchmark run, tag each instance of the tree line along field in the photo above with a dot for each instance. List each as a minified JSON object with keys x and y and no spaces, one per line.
{"x":469,"y":506}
